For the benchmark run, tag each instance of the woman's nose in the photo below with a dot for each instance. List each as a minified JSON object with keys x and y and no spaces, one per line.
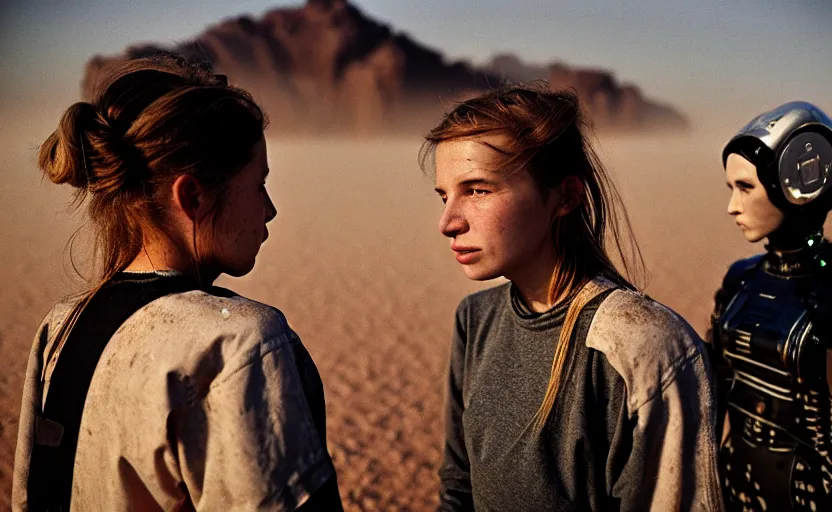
{"x":734,"y":206}
{"x":452,"y":221}
{"x":271,"y":210}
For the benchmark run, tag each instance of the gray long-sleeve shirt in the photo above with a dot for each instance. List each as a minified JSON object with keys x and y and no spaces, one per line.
{"x":633,"y":425}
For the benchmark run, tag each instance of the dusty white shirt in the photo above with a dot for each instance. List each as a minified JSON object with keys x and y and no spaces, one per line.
{"x":196,"y":402}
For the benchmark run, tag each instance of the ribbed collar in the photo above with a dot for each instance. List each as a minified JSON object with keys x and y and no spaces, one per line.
{"x":531,"y":320}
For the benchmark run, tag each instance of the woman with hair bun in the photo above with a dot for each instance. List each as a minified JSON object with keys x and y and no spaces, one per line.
{"x":154,"y":389}
{"x":568,"y":389}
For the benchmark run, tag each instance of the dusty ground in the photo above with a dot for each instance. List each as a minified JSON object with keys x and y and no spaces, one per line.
{"x":355,"y":262}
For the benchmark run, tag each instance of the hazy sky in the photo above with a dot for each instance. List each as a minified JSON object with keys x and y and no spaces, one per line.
{"x":742,"y":55}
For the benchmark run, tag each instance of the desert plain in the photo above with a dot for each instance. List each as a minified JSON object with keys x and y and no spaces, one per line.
{"x":356,"y":263}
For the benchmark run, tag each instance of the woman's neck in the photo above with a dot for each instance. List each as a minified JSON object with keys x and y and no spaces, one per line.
{"x":533,"y":280}
{"x":157,"y":255}
{"x":536,"y":299}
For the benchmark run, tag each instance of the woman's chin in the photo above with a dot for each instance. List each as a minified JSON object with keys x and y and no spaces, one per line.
{"x":240,"y":269}
{"x":476,"y":273}
{"x":753,"y":236}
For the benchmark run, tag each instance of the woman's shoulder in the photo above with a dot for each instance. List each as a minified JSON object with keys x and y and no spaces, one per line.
{"x":226,"y":307}
{"x":646,"y":342}
{"x":186,"y":328}
{"x":60,"y":311}
{"x":226,"y":312}
{"x":53,"y":320}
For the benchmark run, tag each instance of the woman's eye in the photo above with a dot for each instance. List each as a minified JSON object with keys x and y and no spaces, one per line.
{"x":745,"y":187}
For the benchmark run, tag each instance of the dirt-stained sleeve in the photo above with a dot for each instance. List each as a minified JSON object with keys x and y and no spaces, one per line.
{"x":671,"y":454}
{"x":251,"y":444}
{"x":671,"y":464}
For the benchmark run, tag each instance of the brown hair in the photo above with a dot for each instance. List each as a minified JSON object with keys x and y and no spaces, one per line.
{"x":549,"y":138}
{"x":150,"y":120}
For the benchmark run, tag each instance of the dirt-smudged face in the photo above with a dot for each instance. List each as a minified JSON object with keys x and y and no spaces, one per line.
{"x":497,"y":219}
{"x":749,"y":205}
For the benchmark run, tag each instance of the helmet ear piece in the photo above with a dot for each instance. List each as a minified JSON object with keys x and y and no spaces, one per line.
{"x":804,"y":167}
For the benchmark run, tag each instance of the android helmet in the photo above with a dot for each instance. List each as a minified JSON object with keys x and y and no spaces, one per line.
{"x":791,"y":146}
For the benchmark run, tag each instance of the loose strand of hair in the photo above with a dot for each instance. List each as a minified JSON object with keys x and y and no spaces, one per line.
{"x":543,"y":123}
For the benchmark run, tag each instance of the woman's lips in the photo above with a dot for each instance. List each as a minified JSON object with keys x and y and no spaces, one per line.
{"x":466,"y":255}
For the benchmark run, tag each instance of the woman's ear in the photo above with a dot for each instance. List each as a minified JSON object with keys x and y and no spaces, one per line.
{"x":188,"y":196}
{"x":570,"y":195}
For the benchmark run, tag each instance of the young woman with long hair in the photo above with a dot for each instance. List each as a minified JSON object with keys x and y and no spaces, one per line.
{"x":568,"y":389}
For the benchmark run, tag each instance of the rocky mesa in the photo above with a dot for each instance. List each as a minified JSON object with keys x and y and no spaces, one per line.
{"x":326,"y":67}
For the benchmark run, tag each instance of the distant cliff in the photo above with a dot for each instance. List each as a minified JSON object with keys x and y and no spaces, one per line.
{"x":326,"y":67}
{"x":609,"y":103}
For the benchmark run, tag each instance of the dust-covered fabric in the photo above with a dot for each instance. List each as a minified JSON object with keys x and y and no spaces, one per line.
{"x":197,"y":401}
{"x":632,"y":428}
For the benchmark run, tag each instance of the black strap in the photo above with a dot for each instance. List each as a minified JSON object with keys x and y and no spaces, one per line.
{"x":326,"y":499}
{"x":56,"y":430}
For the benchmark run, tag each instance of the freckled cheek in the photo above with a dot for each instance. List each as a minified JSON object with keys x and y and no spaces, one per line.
{"x":506,"y":225}
{"x":482,"y":216}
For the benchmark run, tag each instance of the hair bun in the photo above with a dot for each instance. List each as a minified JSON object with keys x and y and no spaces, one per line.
{"x":63,"y":156}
